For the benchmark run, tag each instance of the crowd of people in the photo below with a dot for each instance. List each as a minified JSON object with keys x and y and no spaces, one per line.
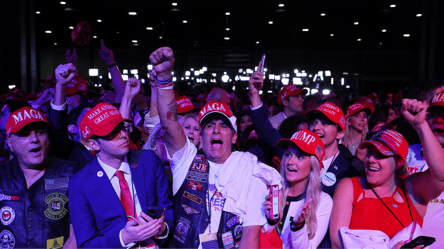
{"x":153,"y":168}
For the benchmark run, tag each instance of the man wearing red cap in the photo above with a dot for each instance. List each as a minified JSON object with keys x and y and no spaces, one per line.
{"x":34,"y":186}
{"x":328,"y":122}
{"x":291,"y":99}
{"x":136,"y":177}
{"x":218,"y":193}
{"x":416,"y":163}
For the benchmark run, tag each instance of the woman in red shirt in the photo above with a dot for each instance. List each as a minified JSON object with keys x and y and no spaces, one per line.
{"x":383,"y":200}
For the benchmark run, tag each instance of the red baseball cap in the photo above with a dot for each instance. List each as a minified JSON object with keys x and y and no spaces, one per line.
{"x":289,"y":90}
{"x":388,"y":143}
{"x":81,"y":34}
{"x":358,"y":107}
{"x":307,"y":141}
{"x":22,"y":117}
{"x":331,"y":111}
{"x":437,"y":101}
{"x":219,"y":110}
{"x":380,"y":126}
{"x":100,"y":120}
{"x":184,"y":105}
{"x":202,"y":97}
{"x":77,"y":84}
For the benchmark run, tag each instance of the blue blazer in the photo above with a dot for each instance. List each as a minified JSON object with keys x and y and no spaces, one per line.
{"x":97,"y":214}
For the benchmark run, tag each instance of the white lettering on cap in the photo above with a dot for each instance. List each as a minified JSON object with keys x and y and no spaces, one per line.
{"x":303,"y":136}
{"x":32,"y":114}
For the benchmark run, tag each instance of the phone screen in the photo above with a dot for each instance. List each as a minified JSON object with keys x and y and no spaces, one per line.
{"x":275,"y":200}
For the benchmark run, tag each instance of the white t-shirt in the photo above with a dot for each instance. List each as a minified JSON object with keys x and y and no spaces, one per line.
{"x":249,"y":201}
{"x":299,"y":239}
{"x":433,"y":224}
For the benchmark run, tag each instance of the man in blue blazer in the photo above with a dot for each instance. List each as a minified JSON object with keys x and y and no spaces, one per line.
{"x":109,"y":195}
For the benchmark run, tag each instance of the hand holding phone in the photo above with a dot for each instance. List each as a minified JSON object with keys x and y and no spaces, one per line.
{"x":274,"y":211}
{"x":420,"y":241}
{"x":260,"y":68}
{"x":154,"y":212}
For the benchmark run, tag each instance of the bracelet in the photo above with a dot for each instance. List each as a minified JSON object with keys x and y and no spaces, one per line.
{"x":112,"y":65}
{"x":164,"y":83}
{"x":295,"y":228}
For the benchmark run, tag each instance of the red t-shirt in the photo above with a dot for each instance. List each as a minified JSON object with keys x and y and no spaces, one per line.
{"x":371,"y":214}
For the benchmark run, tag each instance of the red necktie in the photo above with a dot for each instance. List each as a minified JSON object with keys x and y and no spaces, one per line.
{"x":125,"y":195}
{"x":93,"y":152}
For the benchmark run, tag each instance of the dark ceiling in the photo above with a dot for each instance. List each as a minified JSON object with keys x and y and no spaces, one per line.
{"x":248,"y":23}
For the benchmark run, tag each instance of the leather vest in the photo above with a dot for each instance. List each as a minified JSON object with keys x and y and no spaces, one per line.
{"x":190,"y":211}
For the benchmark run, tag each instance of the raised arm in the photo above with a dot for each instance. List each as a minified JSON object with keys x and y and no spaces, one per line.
{"x":132,"y":87}
{"x":71,"y":57}
{"x":163,"y":62}
{"x":265,"y":131}
{"x":429,"y":184}
{"x":107,"y":56}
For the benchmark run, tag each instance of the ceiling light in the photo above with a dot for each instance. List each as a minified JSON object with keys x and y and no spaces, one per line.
{"x":322,"y":14}
{"x":384,"y":30}
{"x":418,"y":15}
{"x":270,"y":22}
{"x":380,"y":43}
{"x":356,"y":23}
{"x":118,"y":32}
{"x":304,"y":30}
{"x":406,"y":35}
{"x":55,"y":43}
{"x":37,"y":12}
{"x":281,"y":5}
{"x":332,"y":34}
{"x":62,"y":3}
{"x":227,"y":29}
{"x":98,"y":20}
{"x":71,"y":27}
{"x":149,"y":28}
{"x":359,"y":39}
{"x":95,"y":36}
{"x":227,"y":13}
{"x":174,"y":4}
{"x":257,"y":42}
{"x":132,"y":13}
{"x":392,"y":5}
{"x":48,"y":31}
{"x":185,"y":21}
{"x":160,"y":37}
{"x":227,"y":38}
{"x":134,"y":41}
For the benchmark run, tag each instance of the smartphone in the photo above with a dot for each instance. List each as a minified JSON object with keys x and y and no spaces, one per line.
{"x":261,"y":69}
{"x":154,"y":212}
{"x":274,"y":192}
{"x":421,"y":240}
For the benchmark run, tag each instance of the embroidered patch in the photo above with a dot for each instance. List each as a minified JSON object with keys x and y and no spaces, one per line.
{"x":56,"y":206}
{"x":7,"y":239}
{"x":54,"y":243}
{"x":232,"y":221}
{"x":190,"y":210}
{"x":197,"y":176}
{"x":58,"y":183}
{"x":192,"y":197}
{"x":9,"y":197}
{"x":182,"y":230}
{"x":329,"y":179}
{"x":195,"y":185}
{"x":227,"y":240}
{"x":238,"y":232}
{"x":199,"y":167}
{"x":8,"y":215}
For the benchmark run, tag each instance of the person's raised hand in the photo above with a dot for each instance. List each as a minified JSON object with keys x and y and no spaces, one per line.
{"x":163,"y":62}
{"x":304,"y":212}
{"x":267,"y":206}
{"x":64,"y":73}
{"x":106,"y":54}
{"x":414,"y":111}
{"x":256,"y":80}
{"x":152,"y":79}
{"x":71,"y":57}
{"x":132,"y":87}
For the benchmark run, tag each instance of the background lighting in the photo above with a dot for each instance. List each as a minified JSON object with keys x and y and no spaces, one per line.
{"x":93,"y":72}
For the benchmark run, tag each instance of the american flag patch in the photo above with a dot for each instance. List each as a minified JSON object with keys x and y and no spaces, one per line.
{"x":58,"y":183}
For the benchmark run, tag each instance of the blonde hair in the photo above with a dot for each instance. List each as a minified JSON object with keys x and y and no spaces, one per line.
{"x":312,"y":190}
{"x":347,"y":135}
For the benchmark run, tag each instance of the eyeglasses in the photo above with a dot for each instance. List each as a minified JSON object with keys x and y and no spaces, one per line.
{"x":116,"y":131}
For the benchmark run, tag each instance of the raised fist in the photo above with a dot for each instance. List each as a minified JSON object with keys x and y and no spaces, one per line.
{"x":163,"y":62}
{"x":64,"y":73}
